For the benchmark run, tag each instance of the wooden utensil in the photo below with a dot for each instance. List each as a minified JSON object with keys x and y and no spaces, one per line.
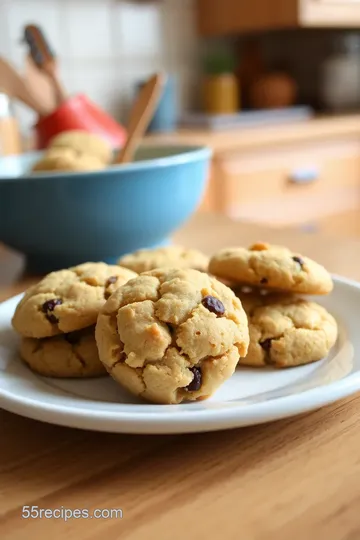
{"x":39,"y":84}
{"x":141,"y":114}
{"x":15,"y":86}
{"x":45,"y":59}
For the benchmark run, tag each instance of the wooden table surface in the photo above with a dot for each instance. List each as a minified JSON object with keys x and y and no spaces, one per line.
{"x":286,"y":480}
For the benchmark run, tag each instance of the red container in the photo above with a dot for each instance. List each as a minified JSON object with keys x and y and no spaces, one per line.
{"x":78,"y":112}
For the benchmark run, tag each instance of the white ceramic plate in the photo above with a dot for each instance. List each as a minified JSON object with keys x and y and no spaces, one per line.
{"x":251,"y":396}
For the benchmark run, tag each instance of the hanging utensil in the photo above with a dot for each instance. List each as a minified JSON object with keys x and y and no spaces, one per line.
{"x":39,"y":84}
{"x":45,"y":59}
{"x":12,"y":84}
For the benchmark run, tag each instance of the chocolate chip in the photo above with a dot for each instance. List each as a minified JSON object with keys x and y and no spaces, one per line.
{"x":72,"y":337}
{"x":299,"y":260}
{"x":214,"y":305}
{"x":51,"y":318}
{"x":266,"y":345}
{"x":111,"y":280}
{"x":264,"y":281}
{"x":196,"y":382}
{"x":51,"y":304}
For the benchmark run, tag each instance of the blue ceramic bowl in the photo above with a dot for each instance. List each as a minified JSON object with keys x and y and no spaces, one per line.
{"x":61,"y":219}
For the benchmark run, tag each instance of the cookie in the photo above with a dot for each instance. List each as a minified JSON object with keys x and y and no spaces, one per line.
{"x":172,"y":335}
{"x":82,"y":142}
{"x":69,"y":355}
{"x":168,"y":257}
{"x":67,"y":300}
{"x":271,"y":267}
{"x":286,"y":331}
{"x":66,"y":159}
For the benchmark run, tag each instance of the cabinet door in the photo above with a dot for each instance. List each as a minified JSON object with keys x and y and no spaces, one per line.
{"x":329,"y":13}
{"x":222,"y":17}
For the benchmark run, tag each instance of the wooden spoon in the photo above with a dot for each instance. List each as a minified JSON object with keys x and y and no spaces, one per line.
{"x":45,"y":59}
{"x":141,"y":115}
{"x":39,"y":84}
{"x":15,"y":86}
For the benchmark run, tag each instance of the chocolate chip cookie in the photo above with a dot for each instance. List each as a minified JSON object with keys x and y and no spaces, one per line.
{"x":271,"y":267}
{"x":168,"y":257}
{"x":286,"y":331}
{"x":69,"y":355}
{"x":67,"y":300}
{"x":172,"y":335}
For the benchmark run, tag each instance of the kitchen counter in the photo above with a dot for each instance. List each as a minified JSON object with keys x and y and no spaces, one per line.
{"x":290,"y":479}
{"x":260,"y":137}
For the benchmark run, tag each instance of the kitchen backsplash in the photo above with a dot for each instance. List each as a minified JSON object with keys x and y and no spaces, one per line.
{"x":106,"y":46}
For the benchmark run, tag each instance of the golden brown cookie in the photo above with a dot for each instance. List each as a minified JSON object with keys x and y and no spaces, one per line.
{"x":82,"y":142}
{"x":286,"y":331}
{"x":66,"y":159}
{"x":271,"y":267}
{"x":167,"y":257}
{"x":69,"y":355}
{"x":172,"y":335}
{"x":67,"y":300}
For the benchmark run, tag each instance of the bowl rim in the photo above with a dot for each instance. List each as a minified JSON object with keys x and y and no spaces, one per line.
{"x":186,"y":154}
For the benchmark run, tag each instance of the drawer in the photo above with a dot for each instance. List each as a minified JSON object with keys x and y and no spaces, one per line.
{"x":292,"y":185}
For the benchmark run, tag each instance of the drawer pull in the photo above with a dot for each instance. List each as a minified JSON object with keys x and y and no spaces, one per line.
{"x":309,"y":228}
{"x":305,"y":175}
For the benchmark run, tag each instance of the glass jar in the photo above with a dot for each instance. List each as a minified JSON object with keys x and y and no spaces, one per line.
{"x":340,"y":75}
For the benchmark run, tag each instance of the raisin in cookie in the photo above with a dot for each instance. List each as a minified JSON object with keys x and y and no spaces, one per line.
{"x":168,"y":257}
{"x":67,"y":300}
{"x":69,"y":355}
{"x":286,"y":331}
{"x":172,"y":335}
{"x":82,"y":142}
{"x":271,"y":267}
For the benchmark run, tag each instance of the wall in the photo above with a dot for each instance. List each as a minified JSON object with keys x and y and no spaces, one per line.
{"x":106,"y":46}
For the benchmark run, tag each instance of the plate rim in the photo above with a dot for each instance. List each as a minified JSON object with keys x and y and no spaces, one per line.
{"x":185,"y":420}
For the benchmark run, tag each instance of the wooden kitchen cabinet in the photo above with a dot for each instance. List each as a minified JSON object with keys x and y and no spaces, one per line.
{"x":222,"y":17}
{"x":289,"y":185}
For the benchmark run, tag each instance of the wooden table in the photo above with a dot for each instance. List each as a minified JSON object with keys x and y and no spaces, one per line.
{"x":286,"y":480}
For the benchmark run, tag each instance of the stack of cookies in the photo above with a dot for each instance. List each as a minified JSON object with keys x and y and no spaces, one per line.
{"x":166,"y":329}
{"x":285,"y":329}
{"x":75,"y":151}
{"x":56,"y":319}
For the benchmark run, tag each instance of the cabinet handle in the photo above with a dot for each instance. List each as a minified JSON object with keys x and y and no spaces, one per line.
{"x":304,"y":175}
{"x":309,"y":227}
